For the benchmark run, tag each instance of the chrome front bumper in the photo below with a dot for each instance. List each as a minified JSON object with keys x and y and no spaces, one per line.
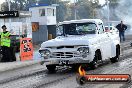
{"x":60,"y":62}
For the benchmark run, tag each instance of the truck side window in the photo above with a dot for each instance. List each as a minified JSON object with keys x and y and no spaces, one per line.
{"x":101,"y":28}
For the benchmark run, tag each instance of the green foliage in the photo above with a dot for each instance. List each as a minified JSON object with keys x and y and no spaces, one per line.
{"x":65,"y":11}
{"x":18,"y":5}
{"x":85,"y":9}
{"x":113,"y":3}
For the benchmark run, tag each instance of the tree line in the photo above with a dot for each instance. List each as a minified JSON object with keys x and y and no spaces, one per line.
{"x":65,"y":10}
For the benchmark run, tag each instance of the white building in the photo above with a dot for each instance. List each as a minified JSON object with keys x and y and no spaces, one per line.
{"x":45,"y":17}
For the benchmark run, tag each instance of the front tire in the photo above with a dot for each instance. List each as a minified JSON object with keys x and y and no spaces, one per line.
{"x":51,"y":68}
{"x":94,"y":64}
{"x":75,"y":67}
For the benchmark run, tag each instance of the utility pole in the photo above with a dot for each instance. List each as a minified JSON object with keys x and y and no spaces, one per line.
{"x":108,"y":9}
{"x":94,"y":13}
{"x":9,"y":6}
{"x":75,"y":9}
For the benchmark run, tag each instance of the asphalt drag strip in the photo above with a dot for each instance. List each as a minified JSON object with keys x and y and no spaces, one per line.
{"x":65,"y":77}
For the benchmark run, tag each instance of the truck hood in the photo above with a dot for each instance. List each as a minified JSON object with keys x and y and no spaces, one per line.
{"x":68,"y":41}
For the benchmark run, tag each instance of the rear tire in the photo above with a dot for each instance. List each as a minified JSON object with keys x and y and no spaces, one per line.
{"x":116,"y":58}
{"x":51,"y":68}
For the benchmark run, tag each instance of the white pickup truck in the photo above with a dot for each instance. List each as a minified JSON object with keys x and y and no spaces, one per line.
{"x":80,"y":42}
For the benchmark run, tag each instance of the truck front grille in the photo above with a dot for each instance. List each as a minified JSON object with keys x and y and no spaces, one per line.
{"x":61,"y":47}
{"x":63,"y":55}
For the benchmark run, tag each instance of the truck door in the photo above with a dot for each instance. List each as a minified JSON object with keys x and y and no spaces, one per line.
{"x":105,"y":42}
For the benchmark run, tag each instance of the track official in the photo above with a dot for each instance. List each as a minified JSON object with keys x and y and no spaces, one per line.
{"x":5,"y":44}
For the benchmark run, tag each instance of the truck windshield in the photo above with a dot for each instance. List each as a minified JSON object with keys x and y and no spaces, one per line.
{"x":78,"y":28}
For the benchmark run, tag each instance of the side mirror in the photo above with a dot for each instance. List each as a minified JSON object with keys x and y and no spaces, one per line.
{"x":59,"y":32}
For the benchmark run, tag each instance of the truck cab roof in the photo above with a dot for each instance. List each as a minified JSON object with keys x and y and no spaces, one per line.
{"x":97,"y":21}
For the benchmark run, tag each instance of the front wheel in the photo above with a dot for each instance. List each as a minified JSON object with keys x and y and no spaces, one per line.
{"x":51,"y":68}
{"x":75,"y":67}
{"x":94,"y":64}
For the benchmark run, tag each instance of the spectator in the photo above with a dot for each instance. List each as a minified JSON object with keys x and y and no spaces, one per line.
{"x":121,"y":27}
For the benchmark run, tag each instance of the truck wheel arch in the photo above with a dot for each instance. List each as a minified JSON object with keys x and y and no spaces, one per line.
{"x":116,"y":57}
{"x":97,"y":56}
{"x":118,"y":47}
{"x":98,"y":51}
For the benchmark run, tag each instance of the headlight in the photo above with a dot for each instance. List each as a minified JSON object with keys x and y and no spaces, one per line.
{"x":45,"y":53}
{"x":83,"y":50}
{"x":80,"y":50}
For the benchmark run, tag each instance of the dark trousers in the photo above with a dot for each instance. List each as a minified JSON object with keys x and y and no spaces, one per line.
{"x":122,"y":36}
{"x":12,"y":52}
{"x":6,"y":54}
